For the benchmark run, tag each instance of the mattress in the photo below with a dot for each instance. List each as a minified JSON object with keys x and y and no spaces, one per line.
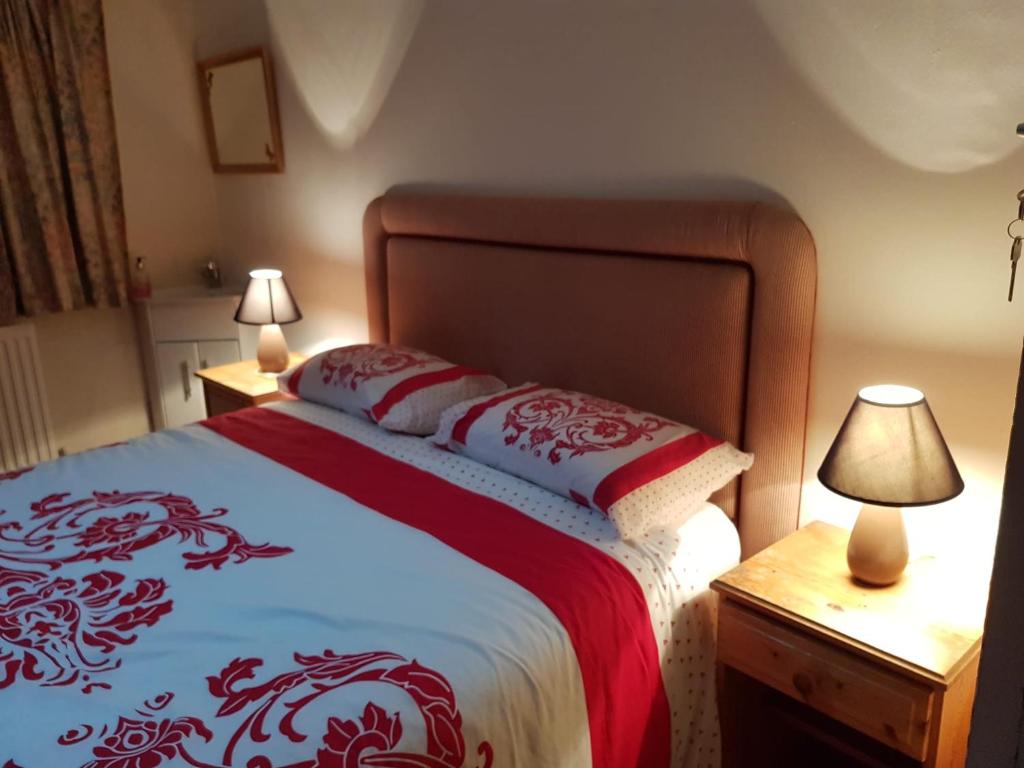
{"x":293,"y":586}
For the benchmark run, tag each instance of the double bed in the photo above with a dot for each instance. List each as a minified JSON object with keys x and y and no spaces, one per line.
{"x":295,"y":586}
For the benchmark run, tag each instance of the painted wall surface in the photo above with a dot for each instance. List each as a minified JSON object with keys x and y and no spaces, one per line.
{"x":887,"y":127}
{"x":90,"y":358}
{"x":170,"y":203}
{"x":93,"y":377}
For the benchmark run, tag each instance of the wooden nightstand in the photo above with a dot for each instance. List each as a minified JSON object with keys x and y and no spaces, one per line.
{"x":240,"y":385}
{"x":816,"y":669}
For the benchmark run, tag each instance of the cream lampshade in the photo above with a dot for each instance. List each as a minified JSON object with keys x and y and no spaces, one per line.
{"x":268,"y":303}
{"x":888,"y":454}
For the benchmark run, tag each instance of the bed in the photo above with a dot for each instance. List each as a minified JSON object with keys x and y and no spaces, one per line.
{"x":293,"y":586}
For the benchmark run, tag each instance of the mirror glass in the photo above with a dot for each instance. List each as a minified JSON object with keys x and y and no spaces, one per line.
{"x":240,"y":110}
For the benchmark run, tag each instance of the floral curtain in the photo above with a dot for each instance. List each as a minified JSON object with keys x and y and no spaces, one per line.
{"x":62,"y":230}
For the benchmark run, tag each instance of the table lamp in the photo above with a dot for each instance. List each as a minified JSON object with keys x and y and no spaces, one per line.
{"x":268,"y":303}
{"x":888,"y":454}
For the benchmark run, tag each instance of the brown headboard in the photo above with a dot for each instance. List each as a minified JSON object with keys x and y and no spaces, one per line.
{"x":701,"y":312}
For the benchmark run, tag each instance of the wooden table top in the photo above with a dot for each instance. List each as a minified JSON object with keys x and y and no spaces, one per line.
{"x":245,"y":377}
{"x":928,"y":624}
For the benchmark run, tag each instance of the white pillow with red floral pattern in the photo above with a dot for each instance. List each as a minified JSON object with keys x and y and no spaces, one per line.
{"x":640,"y":470}
{"x":401,"y":389}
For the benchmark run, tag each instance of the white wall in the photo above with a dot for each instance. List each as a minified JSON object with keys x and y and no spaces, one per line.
{"x":887,"y":127}
{"x":93,"y":377}
{"x":91,"y":358}
{"x":169,"y":198}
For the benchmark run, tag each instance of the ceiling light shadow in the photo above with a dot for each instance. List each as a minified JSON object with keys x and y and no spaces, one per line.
{"x":933,"y":84}
{"x":343,"y":56}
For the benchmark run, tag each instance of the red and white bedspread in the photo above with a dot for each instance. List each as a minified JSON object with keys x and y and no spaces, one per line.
{"x":291,"y":586}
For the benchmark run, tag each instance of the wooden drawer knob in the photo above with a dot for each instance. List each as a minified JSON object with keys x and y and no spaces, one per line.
{"x":803,"y":683}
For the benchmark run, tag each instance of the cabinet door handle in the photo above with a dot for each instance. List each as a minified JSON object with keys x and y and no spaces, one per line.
{"x":186,"y":385}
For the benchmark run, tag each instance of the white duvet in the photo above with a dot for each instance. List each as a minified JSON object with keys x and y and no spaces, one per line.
{"x":293,"y":586}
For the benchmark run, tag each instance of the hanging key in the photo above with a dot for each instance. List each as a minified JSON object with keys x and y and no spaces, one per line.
{"x":1015,"y":250}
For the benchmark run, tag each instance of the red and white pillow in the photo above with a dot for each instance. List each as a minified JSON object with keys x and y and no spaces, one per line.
{"x":640,"y":470}
{"x":401,"y":389}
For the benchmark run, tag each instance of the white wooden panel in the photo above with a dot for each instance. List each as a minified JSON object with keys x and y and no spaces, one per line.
{"x":180,"y":393}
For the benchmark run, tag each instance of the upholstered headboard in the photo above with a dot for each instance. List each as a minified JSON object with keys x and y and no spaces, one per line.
{"x":700,"y":312}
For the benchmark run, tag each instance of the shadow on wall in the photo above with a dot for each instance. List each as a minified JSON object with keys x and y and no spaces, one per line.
{"x":343,"y":57}
{"x":905,"y":75}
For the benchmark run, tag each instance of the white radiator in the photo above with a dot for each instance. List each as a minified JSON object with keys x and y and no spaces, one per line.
{"x":26,"y":434}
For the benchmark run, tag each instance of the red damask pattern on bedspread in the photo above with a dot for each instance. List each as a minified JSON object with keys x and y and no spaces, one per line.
{"x":14,"y":474}
{"x":147,"y":739}
{"x":61,"y":631}
{"x":56,"y":630}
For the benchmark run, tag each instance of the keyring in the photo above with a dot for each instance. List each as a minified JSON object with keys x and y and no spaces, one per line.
{"x":1015,"y":229}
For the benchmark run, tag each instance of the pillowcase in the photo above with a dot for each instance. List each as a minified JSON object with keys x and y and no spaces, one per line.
{"x":401,"y":389}
{"x":640,"y":470}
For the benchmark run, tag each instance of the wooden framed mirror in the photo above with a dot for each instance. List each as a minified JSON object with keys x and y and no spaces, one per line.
{"x":243,"y":132}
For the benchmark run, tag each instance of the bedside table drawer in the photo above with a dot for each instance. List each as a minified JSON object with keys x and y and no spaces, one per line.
{"x":883,"y":705}
{"x":220,"y":401}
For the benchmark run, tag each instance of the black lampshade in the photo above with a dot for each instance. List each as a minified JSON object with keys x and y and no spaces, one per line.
{"x":890,"y":452}
{"x":267,"y":300}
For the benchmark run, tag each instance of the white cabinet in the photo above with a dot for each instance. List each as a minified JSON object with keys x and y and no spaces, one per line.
{"x":180,"y":393}
{"x":183,"y":331}
{"x":176,"y":363}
